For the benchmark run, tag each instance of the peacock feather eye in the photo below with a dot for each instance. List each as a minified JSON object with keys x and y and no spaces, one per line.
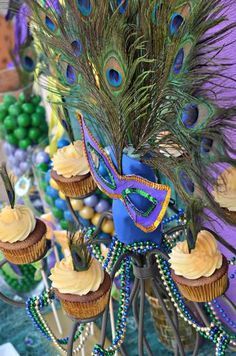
{"x":114,"y":74}
{"x":28,"y":59}
{"x":70,"y":74}
{"x":175,"y":23}
{"x":77,"y":47}
{"x":51,"y":26}
{"x":85,"y":7}
{"x":179,"y":61}
{"x":206,"y":145}
{"x":190,"y":115}
{"x":186,"y":182}
{"x":123,"y":5}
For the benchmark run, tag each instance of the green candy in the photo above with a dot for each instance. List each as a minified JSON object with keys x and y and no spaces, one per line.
{"x":14,"y":109}
{"x":41,"y":110}
{"x":12,"y":139}
{"x":24,"y":120}
{"x":64,"y":224}
{"x":20,"y":133}
{"x":57,"y":213}
{"x":43,"y":185}
{"x":43,"y":167}
{"x":9,"y":123}
{"x":9,"y":100}
{"x":49,"y":200}
{"x":3,"y":115}
{"x":28,"y":108}
{"x":34,"y":134}
{"x":36,"y":99}
{"x":21,"y":97}
{"x":36,"y":120}
{"x":24,"y":144}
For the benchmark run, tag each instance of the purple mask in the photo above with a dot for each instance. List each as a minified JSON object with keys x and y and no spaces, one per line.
{"x":156,"y":196}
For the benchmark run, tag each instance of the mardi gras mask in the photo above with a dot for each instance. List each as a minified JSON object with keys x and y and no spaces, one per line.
{"x":146,"y":216}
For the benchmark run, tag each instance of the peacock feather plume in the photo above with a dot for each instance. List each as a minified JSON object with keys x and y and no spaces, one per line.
{"x":81,"y":257}
{"x":149,"y":74}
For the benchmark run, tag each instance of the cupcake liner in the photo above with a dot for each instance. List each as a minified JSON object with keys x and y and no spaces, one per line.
{"x":205,"y":292}
{"x":30,"y":254}
{"x":204,"y":289}
{"x":86,"y":306}
{"x":85,"y":310}
{"x":77,"y":189}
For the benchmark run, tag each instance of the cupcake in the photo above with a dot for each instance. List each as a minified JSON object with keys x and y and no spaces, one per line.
{"x":71,"y":171}
{"x":201,"y":274}
{"x":22,"y":237}
{"x":80,"y":283}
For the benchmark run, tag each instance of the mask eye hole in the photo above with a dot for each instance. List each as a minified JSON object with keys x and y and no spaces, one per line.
{"x":100,"y":167}
{"x":141,"y":202}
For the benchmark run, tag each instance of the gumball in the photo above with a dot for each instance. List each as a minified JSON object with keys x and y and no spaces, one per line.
{"x":57,"y":213}
{"x":28,"y":108}
{"x":9,"y":123}
{"x":62,"y":143}
{"x":24,"y":166}
{"x":23,"y":120}
{"x":14,"y":110}
{"x":43,"y":167}
{"x":34,"y":134}
{"x":8,"y":149}
{"x":87,"y":213}
{"x":77,"y":205}
{"x":3,"y":112}
{"x":95,"y":219}
{"x":102,"y":206}
{"x":68,"y":216}
{"x":53,"y":193}
{"x":12,"y":161}
{"x":36,"y":120}
{"x":49,"y":200}
{"x":12,"y":139}
{"x":42,"y":157}
{"x":53,"y":184}
{"x":20,"y":155}
{"x":20,"y":133}
{"x":21,"y":98}
{"x":17,"y":171}
{"x":24,"y":144}
{"x":41,"y":110}
{"x":62,"y":196}
{"x":64,"y":224}
{"x":108,"y":226}
{"x":61,"y":204}
{"x":48,"y":177}
{"x":91,"y":201}
{"x":43,"y":185}
{"x":9,"y":100}
{"x":36,"y":100}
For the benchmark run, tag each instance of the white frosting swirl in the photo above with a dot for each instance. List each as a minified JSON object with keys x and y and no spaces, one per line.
{"x":203,"y":260}
{"x":224,"y":191}
{"x":16,"y":224}
{"x":66,"y":280}
{"x":71,"y":161}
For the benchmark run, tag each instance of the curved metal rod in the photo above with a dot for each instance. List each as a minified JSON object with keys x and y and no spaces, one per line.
{"x":229,"y":302}
{"x":116,"y":267}
{"x":201,"y":313}
{"x":197,"y":344}
{"x":73,"y":213}
{"x":6,"y":299}
{"x":105,"y":215}
{"x":136,"y":317}
{"x":71,"y":338}
{"x":168,"y":317}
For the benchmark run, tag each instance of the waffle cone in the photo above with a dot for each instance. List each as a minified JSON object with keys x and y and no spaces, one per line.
{"x":204,"y":289}
{"x":30,"y":250}
{"x":75,"y":187}
{"x":87,"y":306}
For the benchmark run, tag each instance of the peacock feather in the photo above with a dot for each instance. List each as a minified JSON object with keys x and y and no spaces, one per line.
{"x":8,"y":184}
{"x":81,"y":258}
{"x":147,"y":74}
